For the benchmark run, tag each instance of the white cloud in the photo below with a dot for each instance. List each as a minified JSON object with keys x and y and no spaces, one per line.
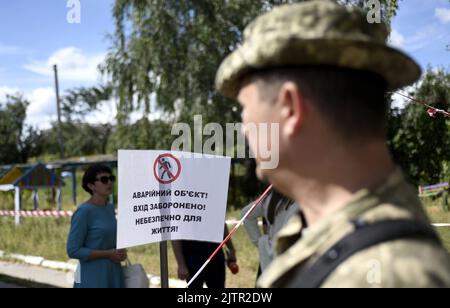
{"x":42,"y":109}
{"x":423,"y":37}
{"x":396,"y":39}
{"x":73,"y":65}
{"x":442,"y":14}
{"x":7,"y":91}
{"x":42,"y":101}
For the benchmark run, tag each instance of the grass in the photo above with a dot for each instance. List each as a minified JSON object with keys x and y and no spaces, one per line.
{"x":437,"y":215}
{"x":445,"y":236}
{"x":46,"y":237}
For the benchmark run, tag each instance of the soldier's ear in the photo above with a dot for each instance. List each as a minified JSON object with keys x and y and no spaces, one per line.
{"x":293,"y":108}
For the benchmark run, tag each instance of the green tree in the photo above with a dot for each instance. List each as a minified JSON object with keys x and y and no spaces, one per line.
{"x":143,"y":134}
{"x":18,"y":142}
{"x":172,"y":48}
{"x":388,"y":7}
{"x":79,"y":139}
{"x":164,"y":57}
{"x":420,"y":143}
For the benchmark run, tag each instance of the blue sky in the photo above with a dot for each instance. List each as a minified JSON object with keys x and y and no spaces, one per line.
{"x":35,"y":34}
{"x":422,"y":28}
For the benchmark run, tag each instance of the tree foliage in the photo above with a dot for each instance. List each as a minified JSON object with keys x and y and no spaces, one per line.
{"x":172,"y":48}
{"x":18,"y":142}
{"x":164,"y":57}
{"x":79,"y":139}
{"x":421,"y":144}
{"x":143,"y":135}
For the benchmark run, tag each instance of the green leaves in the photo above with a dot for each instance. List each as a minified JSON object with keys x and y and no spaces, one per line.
{"x":17,"y":142}
{"x":164,"y":55}
{"x":174,"y":47}
{"x":420,"y":143}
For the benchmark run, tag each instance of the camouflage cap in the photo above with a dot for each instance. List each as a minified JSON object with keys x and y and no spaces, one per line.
{"x":318,"y":32}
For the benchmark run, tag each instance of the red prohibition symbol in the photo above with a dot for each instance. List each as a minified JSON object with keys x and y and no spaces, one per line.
{"x":167,"y":168}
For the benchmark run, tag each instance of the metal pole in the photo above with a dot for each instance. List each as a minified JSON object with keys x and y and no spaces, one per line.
{"x":164,"y":265}
{"x":35,"y":200}
{"x":58,"y":108}
{"x":17,"y":205}
{"x":74,"y":186}
{"x":58,"y":199}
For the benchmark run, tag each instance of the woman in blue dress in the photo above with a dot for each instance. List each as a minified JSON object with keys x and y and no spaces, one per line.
{"x":92,"y":237}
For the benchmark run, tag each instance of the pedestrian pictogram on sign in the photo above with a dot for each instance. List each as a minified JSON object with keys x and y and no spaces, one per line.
{"x":167,"y":168}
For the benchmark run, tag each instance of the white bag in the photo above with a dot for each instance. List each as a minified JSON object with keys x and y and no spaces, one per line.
{"x":135,"y":276}
{"x":77,"y":274}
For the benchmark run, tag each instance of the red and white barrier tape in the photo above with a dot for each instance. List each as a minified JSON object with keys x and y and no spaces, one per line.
{"x":432,"y":111}
{"x":37,"y":213}
{"x":230,"y":234}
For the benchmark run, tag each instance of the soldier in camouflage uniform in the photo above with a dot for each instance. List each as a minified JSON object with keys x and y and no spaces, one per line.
{"x":321,"y":71}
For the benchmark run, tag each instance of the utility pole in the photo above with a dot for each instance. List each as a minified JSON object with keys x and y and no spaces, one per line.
{"x":58,"y":108}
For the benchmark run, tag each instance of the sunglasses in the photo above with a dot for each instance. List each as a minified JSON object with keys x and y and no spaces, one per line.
{"x":105,"y":179}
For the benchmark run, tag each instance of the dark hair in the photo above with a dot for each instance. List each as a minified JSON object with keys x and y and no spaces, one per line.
{"x":353,"y":101}
{"x":91,"y":173}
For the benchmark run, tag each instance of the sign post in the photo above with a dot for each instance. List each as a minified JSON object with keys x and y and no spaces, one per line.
{"x":164,"y":267}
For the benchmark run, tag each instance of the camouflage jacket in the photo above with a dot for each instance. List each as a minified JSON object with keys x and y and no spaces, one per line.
{"x":398,"y":263}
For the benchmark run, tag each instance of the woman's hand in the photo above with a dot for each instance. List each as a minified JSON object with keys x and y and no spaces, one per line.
{"x":183,"y":272}
{"x":231,"y":255}
{"x":118,"y":255}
